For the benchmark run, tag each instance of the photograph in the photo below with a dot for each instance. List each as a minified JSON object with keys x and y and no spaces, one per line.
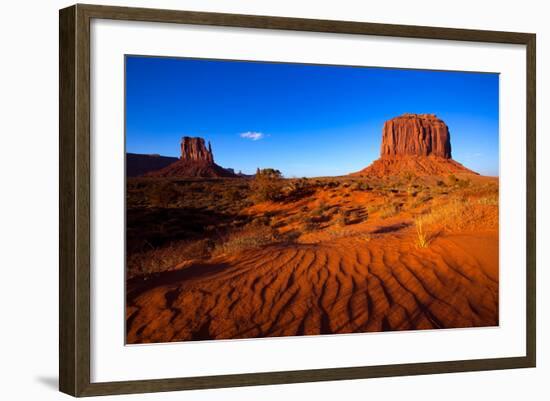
{"x":273,"y":199}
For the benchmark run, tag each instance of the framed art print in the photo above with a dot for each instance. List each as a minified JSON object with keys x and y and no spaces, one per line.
{"x":299,"y":200}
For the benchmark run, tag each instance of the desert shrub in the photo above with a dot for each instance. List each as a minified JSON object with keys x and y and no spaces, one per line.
{"x":425,"y":233}
{"x":267,"y":185}
{"x":452,"y":180}
{"x":365,"y":186}
{"x":426,"y":198}
{"x":355,"y":217}
{"x":264,"y":220}
{"x":268,"y":172}
{"x":196,"y":187}
{"x":463,"y":183}
{"x":332,"y":184}
{"x":321,"y":208}
{"x":312,"y":221}
{"x":297,"y":189}
{"x":421,"y":201}
{"x":391,"y":210}
{"x":342,"y":217}
{"x":249,"y":237}
{"x":167,"y":257}
{"x":321,"y":218}
{"x":289,"y":237}
{"x":347,"y":217}
{"x":162,"y":195}
{"x":311,"y":225}
{"x":374,"y":208}
{"x":355,"y":186}
{"x":232,"y":194}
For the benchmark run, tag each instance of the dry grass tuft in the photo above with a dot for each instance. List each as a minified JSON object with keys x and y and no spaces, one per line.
{"x":249,"y":237}
{"x":457,"y":214}
{"x":167,"y":257}
{"x":423,"y":237}
{"x":391,"y":210}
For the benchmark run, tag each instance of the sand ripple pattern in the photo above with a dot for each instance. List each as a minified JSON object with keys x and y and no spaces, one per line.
{"x":346,"y":286}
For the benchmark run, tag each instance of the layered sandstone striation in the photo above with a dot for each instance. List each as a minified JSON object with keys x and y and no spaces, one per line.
{"x":196,"y":160}
{"x":195,"y":150}
{"x":416,"y":135}
{"x":415,"y":143}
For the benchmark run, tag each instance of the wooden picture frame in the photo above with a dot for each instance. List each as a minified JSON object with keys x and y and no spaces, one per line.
{"x":74,"y":205}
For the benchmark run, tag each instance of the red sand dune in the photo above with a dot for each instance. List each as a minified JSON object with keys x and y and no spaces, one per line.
{"x":345,"y":286}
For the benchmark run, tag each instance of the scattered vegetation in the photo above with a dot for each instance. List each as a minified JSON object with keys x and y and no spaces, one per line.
{"x":347,"y":217}
{"x":360,"y":186}
{"x":297,"y":189}
{"x":455,"y":215}
{"x":167,"y":257}
{"x":267,"y":185}
{"x":343,"y":218}
{"x":173,"y":222}
{"x":468,"y":213}
{"x":250,"y":237}
{"x":391,"y":210}
{"x":452,"y":180}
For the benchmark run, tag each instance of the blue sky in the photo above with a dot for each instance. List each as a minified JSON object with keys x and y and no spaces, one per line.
{"x":305,"y":120}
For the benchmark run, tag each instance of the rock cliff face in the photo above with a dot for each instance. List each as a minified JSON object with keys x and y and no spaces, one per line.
{"x":416,"y":135}
{"x":196,"y":160}
{"x":194,"y":149}
{"x":415,"y":143}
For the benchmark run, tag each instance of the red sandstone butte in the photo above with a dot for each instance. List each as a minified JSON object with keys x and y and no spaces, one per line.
{"x":416,"y":143}
{"x":416,"y":135}
{"x":196,"y":160}
{"x":194,"y":149}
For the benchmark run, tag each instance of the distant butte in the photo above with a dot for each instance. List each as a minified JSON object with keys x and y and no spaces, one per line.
{"x":194,"y":150}
{"x":416,"y":143}
{"x":196,"y":160}
{"x":140,"y":164}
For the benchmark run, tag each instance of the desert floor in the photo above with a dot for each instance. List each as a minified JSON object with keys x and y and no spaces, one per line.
{"x":228,"y":258}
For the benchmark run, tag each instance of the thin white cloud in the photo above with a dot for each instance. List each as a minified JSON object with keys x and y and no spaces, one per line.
{"x":254,"y":136}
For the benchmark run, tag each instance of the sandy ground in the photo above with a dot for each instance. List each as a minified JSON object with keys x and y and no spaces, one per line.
{"x":371,"y":278}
